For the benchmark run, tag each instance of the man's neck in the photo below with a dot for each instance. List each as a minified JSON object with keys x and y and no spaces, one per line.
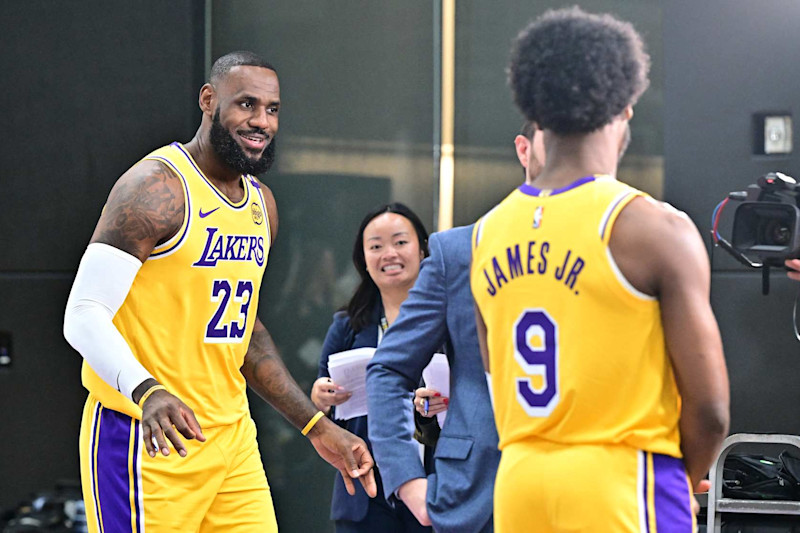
{"x":223,"y":177}
{"x":571,"y":157}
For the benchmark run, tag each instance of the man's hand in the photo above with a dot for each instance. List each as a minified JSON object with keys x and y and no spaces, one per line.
{"x":702,"y":487}
{"x":347,"y":453}
{"x":793,"y":267}
{"x":414,"y":494}
{"x":163,"y":414}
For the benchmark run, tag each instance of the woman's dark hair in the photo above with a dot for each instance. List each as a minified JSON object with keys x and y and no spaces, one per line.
{"x":360,"y":307}
{"x":573,"y":72}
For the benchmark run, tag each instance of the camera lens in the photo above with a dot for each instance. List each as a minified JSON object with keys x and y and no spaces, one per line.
{"x":777,"y":232}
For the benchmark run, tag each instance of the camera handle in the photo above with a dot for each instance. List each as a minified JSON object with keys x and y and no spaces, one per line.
{"x":746,"y":261}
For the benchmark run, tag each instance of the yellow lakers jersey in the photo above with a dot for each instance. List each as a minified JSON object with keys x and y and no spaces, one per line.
{"x":191,"y":310}
{"x":577,"y":355}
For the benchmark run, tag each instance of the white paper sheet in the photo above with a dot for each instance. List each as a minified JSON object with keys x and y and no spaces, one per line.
{"x":349,"y":370}
{"x":437,"y":377}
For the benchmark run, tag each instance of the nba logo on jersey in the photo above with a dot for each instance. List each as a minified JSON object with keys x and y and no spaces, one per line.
{"x":537,"y":217}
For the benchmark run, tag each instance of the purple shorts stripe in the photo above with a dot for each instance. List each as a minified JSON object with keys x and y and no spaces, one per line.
{"x":672,"y":498}
{"x":645,"y":469}
{"x":137,"y":441}
{"x":113,"y":477}
{"x":93,"y":451}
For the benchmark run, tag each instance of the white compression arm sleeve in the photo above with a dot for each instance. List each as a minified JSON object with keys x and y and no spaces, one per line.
{"x":104,"y":278}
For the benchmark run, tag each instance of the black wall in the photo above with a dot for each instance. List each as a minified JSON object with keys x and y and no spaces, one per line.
{"x":88,"y":88}
{"x":724,"y":61}
{"x":91,"y":86}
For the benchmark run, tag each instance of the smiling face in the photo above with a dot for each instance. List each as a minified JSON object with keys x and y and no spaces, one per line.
{"x":392,"y":252}
{"x":245,"y":106}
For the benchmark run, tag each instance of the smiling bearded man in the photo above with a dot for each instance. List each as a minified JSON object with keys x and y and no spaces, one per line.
{"x":163,"y":310}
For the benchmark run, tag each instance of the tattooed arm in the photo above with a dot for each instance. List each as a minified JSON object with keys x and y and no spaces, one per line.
{"x":145,"y":208}
{"x":267,"y":375}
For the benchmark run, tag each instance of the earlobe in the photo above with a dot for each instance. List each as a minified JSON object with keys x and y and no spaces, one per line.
{"x":628,"y":112}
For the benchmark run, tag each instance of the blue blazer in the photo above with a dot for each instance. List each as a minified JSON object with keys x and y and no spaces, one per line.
{"x":438,"y":310}
{"x":341,"y":337}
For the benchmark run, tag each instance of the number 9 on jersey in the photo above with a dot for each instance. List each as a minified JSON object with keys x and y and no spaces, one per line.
{"x":536,"y":351}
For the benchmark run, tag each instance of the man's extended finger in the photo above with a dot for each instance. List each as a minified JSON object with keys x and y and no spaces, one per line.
{"x":147,"y":435}
{"x":176,"y":441}
{"x":182,"y":426}
{"x":363,"y":458}
{"x":348,"y":483}
{"x":161,"y":441}
{"x":348,"y":450}
{"x":193,"y":425}
{"x":368,"y":482}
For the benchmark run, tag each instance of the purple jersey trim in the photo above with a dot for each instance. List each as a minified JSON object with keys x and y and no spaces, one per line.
{"x":672,"y":500}
{"x":222,"y":197}
{"x":613,"y":207}
{"x":478,"y":231}
{"x":188,"y":209}
{"x":113,"y":477}
{"x":530,"y":190}
{"x":257,"y":187}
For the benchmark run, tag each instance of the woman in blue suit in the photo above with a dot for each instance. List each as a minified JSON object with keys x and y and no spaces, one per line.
{"x":389,"y":247}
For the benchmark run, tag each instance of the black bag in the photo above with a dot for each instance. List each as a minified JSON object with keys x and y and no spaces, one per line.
{"x":59,"y":511}
{"x":758,"y":477}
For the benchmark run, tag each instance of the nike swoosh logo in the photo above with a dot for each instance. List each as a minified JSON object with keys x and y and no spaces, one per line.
{"x":204,"y":215}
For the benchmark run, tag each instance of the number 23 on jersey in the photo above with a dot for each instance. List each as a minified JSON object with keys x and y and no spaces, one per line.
{"x":218,"y":330}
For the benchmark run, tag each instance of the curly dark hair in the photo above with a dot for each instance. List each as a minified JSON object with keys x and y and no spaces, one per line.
{"x":573,"y":72}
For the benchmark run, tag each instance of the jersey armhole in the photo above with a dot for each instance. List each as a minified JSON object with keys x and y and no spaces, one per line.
{"x":257,"y":185}
{"x":476,"y":232}
{"x":175,"y":242}
{"x":606,"y":225}
{"x":612,"y":212}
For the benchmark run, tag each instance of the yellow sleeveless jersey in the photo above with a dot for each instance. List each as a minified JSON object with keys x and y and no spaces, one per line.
{"x":190,"y":312}
{"x":577,"y":355}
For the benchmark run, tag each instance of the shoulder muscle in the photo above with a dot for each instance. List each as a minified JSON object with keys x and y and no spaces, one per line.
{"x":652,"y":242}
{"x":145,"y":207}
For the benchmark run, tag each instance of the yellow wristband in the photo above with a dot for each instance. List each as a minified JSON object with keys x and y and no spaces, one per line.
{"x":148,"y":392}
{"x":312,"y":422}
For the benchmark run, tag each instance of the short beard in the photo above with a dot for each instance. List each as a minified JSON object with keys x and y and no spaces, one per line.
{"x":234,"y":156}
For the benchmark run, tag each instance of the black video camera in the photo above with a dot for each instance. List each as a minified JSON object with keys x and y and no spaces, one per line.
{"x":766,"y":224}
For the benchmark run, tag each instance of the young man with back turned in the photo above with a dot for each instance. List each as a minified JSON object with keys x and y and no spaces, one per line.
{"x":609,"y":382}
